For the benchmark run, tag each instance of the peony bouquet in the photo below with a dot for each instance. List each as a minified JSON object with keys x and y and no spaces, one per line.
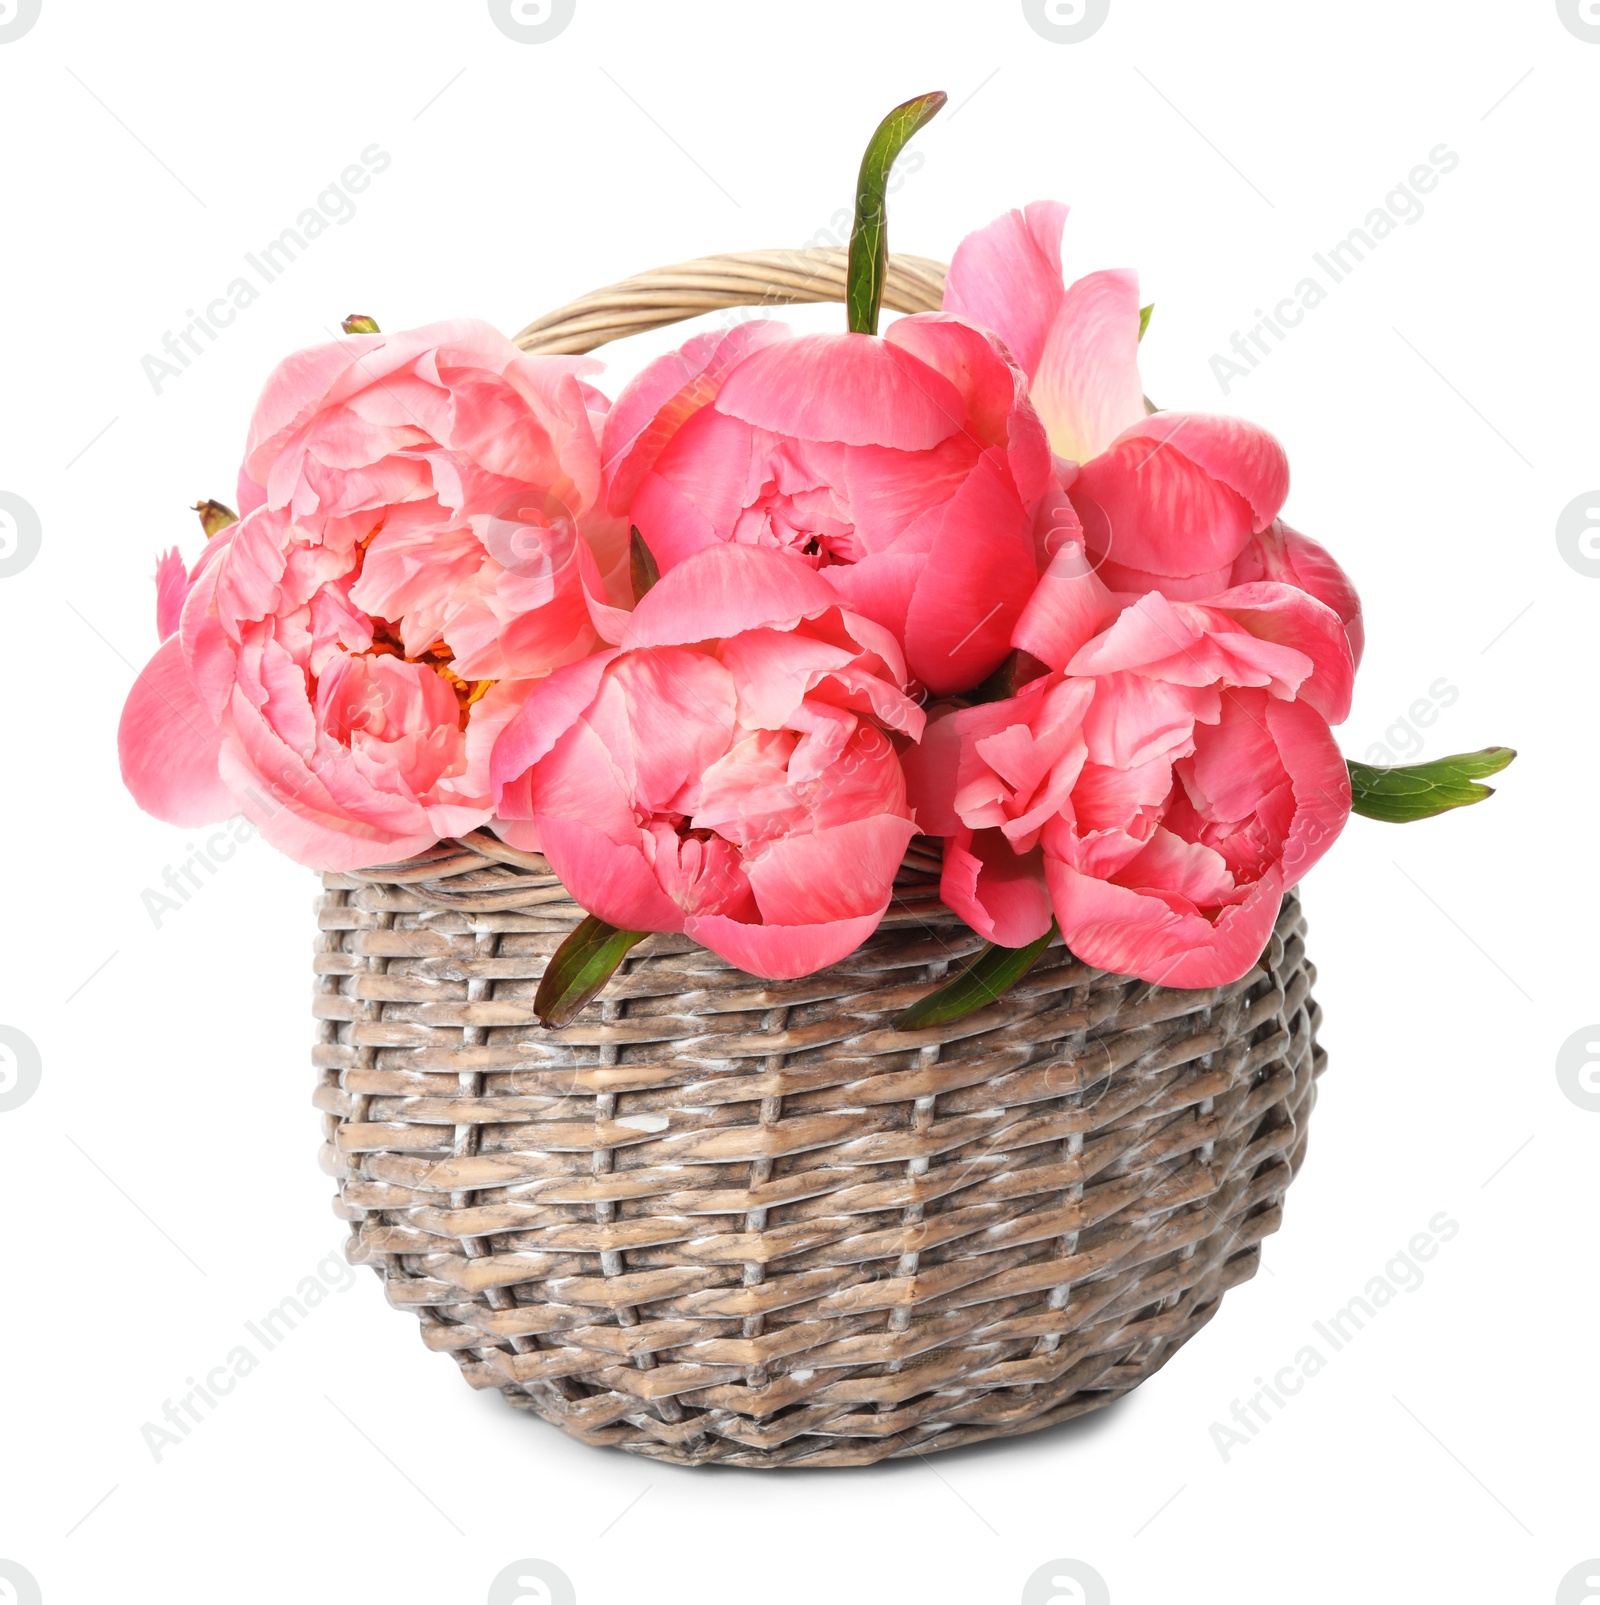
{"x":718,"y":649}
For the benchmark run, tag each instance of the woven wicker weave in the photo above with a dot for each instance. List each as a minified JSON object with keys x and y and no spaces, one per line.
{"x":727,"y":1220}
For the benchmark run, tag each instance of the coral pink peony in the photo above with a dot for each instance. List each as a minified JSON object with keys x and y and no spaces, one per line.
{"x":463,"y":470}
{"x":725,"y":772}
{"x":1182,"y":503}
{"x":1159,"y":789}
{"x":419,"y":542}
{"x":909,"y":471}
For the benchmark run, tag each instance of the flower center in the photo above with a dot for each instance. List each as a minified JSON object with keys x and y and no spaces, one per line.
{"x":386,"y":642}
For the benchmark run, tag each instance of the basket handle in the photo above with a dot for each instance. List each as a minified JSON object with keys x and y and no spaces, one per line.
{"x":668,"y":295}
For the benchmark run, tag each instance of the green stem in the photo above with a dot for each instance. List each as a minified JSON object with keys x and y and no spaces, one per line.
{"x":869,"y":240}
{"x":991,"y":974}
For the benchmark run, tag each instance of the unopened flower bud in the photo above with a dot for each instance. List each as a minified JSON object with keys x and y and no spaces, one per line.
{"x":215,"y":517}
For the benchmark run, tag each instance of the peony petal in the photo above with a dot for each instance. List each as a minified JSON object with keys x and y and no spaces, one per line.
{"x":895,"y":499}
{"x":834,"y":874}
{"x":172,"y":591}
{"x":774,"y":669}
{"x":663,"y":716}
{"x":781,"y":952}
{"x":1126,"y":581}
{"x":1181,"y":493}
{"x":1285,"y":555}
{"x":1134,"y":933}
{"x":613,"y":882}
{"x":553,"y":706}
{"x":665,"y":395}
{"x":1087,"y":386}
{"x":1235,"y":452}
{"x":1236,"y":761}
{"x":169,"y":743}
{"x":523,"y":834}
{"x":975,"y":362}
{"x":879,"y":588}
{"x":1321,"y":782}
{"x":1180,"y":870}
{"x":293,"y":391}
{"x":1290,"y":617}
{"x":1313,"y":568}
{"x":725,"y":589}
{"x":932,"y":770}
{"x":1056,"y":522}
{"x":332,"y":841}
{"x":1007,"y":277}
{"x":1133,"y":721}
{"x":999,"y":893}
{"x":1149,"y":632}
{"x":1069,"y":606}
{"x":609,"y":622}
{"x":669,"y":522}
{"x":975,"y":584}
{"x":852,"y":388}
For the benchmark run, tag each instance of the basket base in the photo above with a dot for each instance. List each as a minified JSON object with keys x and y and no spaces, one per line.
{"x":726,"y":1222}
{"x":1011,"y":1413}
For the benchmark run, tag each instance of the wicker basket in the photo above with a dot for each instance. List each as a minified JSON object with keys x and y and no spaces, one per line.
{"x":727,"y":1220}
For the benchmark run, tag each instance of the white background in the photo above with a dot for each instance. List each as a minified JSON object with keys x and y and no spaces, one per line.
{"x":160,"y":1187}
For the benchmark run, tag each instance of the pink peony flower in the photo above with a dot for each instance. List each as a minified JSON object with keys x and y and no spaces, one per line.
{"x":1182,"y":503}
{"x":909,"y":471}
{"x":465,"y":471}
{"x":1159,"y":789}
{"x":416,"y":547}
{"x":725,"y":772}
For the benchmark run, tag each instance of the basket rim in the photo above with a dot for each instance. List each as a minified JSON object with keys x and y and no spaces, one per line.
{"x":662,"y":296}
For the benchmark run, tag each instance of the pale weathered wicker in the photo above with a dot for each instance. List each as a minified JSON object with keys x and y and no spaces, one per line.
{"x":729,"y":1220}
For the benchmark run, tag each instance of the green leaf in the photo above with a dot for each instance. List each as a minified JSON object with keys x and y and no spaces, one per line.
{"x":1144,"y":318}
{"x":869,"y":240}
{"x":360,"y":323}
{"x":642,"y":567}
{"x":1421,"y":790}
{"x":992,"y":973}
{"x":580,"y":967}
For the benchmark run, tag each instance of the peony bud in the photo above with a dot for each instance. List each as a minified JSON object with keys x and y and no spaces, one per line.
{"x":215,"y":517}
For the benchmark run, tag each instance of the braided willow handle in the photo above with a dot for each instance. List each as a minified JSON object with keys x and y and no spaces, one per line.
{"x":668,"y":295}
